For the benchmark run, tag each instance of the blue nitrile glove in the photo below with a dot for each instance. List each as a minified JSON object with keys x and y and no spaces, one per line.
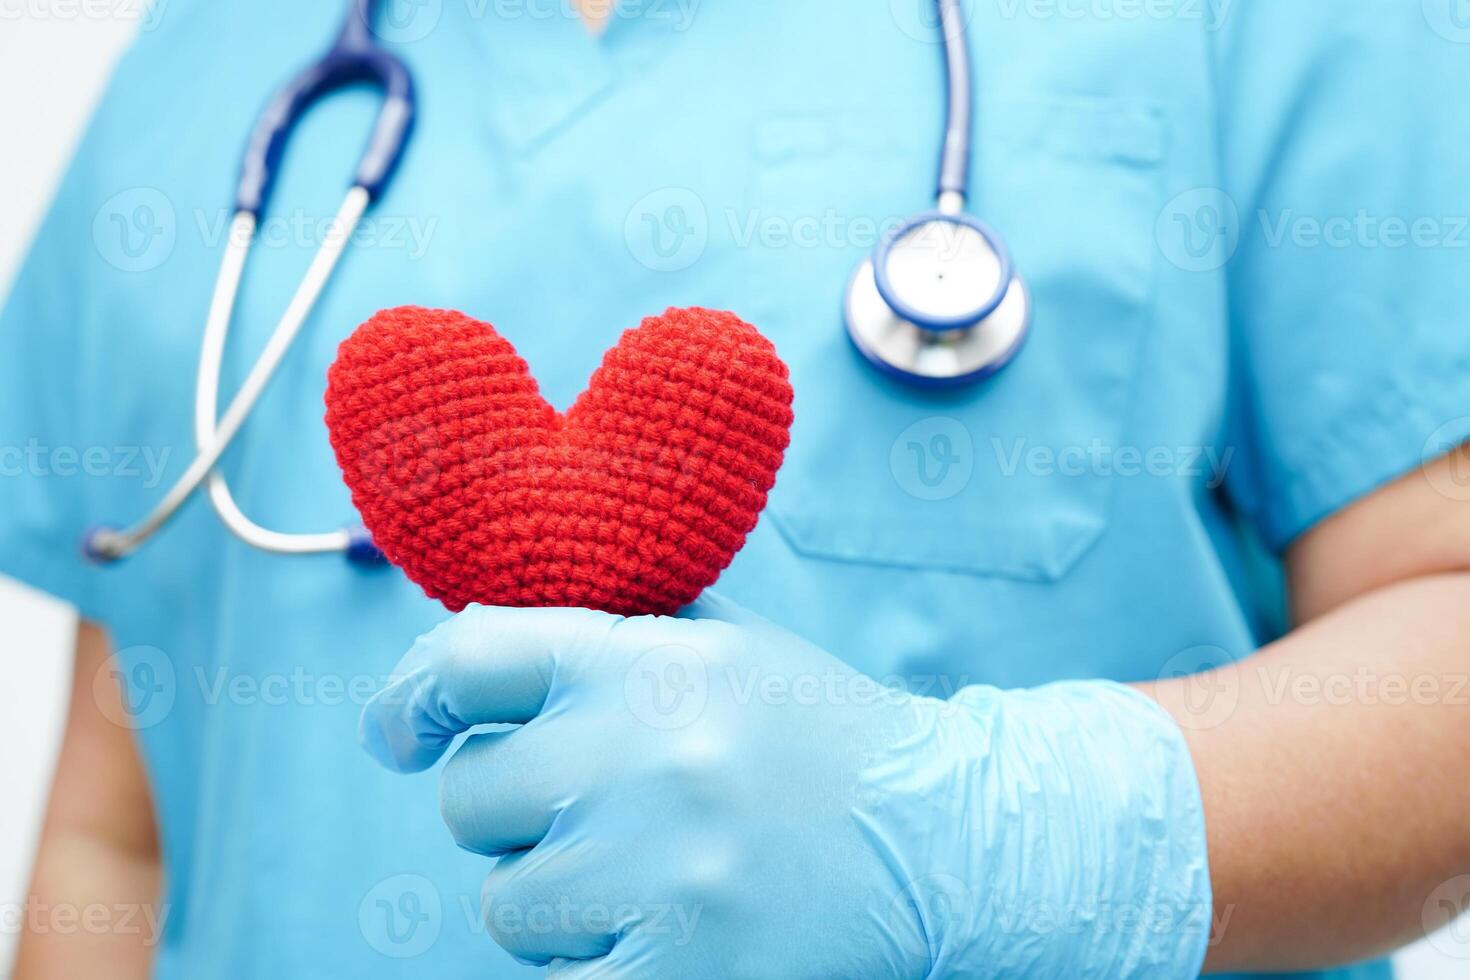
{"x":713,"y":797}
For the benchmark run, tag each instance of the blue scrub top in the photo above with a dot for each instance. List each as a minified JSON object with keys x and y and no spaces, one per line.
{"x":1239,"y":223}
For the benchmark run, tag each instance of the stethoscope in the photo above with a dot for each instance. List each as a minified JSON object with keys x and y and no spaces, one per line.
{"x":936,"y":304}
{"x":355,"y":56}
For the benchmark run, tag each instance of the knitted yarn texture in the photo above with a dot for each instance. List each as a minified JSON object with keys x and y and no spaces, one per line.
{"x":633,"y":501}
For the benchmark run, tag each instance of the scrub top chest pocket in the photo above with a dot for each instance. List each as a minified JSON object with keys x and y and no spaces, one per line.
{"x":983,"y":480}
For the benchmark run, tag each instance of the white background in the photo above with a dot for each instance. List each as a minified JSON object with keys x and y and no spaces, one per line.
{"x":54,"y":59}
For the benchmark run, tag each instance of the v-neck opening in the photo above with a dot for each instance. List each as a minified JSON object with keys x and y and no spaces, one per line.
{"x":543,"y":71}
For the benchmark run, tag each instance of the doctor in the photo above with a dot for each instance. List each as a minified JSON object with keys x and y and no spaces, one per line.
{"x":1141,"y":658}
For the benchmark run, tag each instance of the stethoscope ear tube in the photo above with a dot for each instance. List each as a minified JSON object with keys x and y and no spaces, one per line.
{"x":111,"y":544}
{"x":206,"y":408}
{"x":353,"y":57}
{"x":954,"y":160}
{"x":933,"y":347}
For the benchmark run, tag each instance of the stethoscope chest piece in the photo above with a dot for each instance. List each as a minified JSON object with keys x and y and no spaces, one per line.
{"x":938,"y":304}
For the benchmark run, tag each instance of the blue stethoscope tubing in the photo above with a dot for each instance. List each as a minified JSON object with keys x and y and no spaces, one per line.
{"x":354,"y":57}
{"x":946,"y":342}
{"x":905,"y":335}
{"x":954,"y":159}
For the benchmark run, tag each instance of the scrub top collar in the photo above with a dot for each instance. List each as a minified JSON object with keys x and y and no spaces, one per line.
{"x":543,"y":67}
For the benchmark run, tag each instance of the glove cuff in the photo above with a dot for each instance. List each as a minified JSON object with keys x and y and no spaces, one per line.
{"x":1080,"y":836}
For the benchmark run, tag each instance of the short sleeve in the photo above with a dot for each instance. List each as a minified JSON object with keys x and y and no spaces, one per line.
{"x":1345,"y":147}
{"x":45,"y":452}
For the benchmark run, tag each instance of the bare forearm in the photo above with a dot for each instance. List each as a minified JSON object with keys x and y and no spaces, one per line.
{"x":1332,"y":765}
{"x":93,"y":911}
{"x":93,"y":908}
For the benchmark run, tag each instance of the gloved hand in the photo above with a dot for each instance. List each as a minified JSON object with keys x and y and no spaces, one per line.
{"x":712,"y":797}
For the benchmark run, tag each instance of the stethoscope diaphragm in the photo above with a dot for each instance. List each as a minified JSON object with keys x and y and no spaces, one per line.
{"x":939,"y":343}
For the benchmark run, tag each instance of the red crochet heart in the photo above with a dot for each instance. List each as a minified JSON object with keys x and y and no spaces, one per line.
{"x":633,"y":501}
